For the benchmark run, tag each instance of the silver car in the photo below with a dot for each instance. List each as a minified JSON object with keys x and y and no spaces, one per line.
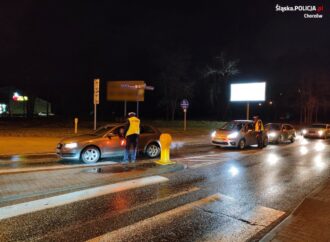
{"x":107,"y":141}
{"x":280,"y":133}
{"x":238,"y":134}
{"x":317,"y":131}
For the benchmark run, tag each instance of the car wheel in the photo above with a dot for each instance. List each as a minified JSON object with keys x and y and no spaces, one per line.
{"x":90,"y":154}
{"x":152,"y":150}
{"x":280,"y":139}
{"x":292,"y":139}
{"x":241,"y":144}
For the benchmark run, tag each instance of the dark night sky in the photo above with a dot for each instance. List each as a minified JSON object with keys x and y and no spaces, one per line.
{"x":56,"y":48}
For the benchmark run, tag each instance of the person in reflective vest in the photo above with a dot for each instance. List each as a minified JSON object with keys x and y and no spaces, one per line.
{"x":259,"y":129}
{"x":132,"y":132}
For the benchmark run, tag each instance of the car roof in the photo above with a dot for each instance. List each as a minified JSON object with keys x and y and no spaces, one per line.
{"x":280,"y":124}
{"x":243,"y":121}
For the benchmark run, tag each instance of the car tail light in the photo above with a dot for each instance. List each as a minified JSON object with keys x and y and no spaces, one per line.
{"x":123,"y":142}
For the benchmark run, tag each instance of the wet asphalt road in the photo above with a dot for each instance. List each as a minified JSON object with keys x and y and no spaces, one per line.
{"x":223,"y":195}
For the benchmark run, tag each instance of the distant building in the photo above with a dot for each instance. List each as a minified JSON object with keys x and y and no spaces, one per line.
{"x":15,"y":103}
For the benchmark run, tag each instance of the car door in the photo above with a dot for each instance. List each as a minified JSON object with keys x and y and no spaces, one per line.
{"x":285,"y":132}
{"x":292,"y":131}
{"x":250,"y":134}
{"x":146,"y":134}
{"x":114,"y":143}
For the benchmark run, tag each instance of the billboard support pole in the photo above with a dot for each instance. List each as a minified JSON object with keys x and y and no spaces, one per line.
{"x":247,"y":110}
{"x":137,"y":108}
{"x":184,"y":119}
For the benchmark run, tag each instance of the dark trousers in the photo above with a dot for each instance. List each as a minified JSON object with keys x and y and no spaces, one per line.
{"x":131,"y":141}
{"x":259,"y":139}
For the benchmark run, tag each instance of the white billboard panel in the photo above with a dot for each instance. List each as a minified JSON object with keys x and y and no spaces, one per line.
{"x":255,"y":91}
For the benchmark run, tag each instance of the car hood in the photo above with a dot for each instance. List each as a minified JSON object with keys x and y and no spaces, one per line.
{"x":79,"y":138}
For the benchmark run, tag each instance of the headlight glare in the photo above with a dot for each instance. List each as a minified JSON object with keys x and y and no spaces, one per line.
{"x":232,"y":135}
{"x":272,"y":134}
{"x":320,"y":132}
{"x":213,"y":134}
{"x":304,"y":131}
{"x":71,"y":145}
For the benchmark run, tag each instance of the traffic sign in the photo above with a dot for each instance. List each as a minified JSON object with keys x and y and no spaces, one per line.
{"x":96,"y":91}
{"x":184,"y":104}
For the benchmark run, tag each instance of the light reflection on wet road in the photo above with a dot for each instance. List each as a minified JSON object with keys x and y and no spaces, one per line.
{"x":253,"y":185}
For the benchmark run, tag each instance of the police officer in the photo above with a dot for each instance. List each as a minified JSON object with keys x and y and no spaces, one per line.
{"x":132,"y":132}
{"x":259,"y":129}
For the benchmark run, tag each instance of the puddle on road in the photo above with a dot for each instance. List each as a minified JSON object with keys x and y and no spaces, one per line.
{"x":121,"y":168}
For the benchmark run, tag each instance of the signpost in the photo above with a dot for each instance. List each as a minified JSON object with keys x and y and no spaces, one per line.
{"x":127,"y":91}
{"x":184,"y":105}
{"x":96,"y":98}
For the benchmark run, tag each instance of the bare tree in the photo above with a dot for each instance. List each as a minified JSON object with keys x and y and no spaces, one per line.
{"x":173,"y":82}
{"x":313,"y":95}
{"x":218,"y":75}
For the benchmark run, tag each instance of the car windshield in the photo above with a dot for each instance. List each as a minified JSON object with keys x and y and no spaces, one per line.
{"x":273,"y":126}
{"x":232,"y":126}
{"x":103,"y":130}
{"x":318,"y":126}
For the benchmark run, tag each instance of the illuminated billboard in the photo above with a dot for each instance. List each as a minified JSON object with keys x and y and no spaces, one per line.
{"x":253,"y":91}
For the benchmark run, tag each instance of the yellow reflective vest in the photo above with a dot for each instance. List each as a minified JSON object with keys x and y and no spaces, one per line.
{"x":134,"y":126}
{"x":259,"y":126}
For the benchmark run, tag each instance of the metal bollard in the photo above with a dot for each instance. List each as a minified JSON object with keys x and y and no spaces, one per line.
{"x":165,"y":142}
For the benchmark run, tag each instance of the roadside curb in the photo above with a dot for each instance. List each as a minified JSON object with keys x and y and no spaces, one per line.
{"x":101,"y":167}
{"x":27,"y":155}
{"x":272,"y":234}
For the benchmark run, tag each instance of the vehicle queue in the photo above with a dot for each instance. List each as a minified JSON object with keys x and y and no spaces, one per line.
{"x":108,"y":141}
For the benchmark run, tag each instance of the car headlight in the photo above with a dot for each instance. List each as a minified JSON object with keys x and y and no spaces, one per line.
{"x":304,"y":131}
{"x":320,"y":132}
{"x":213,"y":134}
{"x":272,"y":134}
{"x":71,"y":145}
{"x":232,"y":135}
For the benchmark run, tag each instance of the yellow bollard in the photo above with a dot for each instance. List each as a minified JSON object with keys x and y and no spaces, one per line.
{"x":165,"y":142}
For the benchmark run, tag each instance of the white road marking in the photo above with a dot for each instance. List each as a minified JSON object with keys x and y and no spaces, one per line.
{"x":49,"y":168}
{"x":206,"y":164}
{"x":199,"y":156}
{"x":256,"y":219}
{"x":152,"y":221}
{"x":41,"y":204}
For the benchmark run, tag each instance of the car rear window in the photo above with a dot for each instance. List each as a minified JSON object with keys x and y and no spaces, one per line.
{"x":273,"y":126}
{"x":147,"y":130}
